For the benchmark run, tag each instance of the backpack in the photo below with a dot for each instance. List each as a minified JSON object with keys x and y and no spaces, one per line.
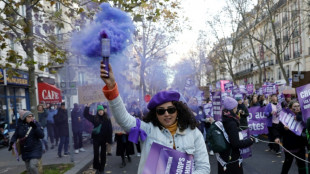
{"x":217,"y":137}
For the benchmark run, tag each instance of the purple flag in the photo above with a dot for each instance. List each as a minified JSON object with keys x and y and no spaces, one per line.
{"x":287,"y":117}
{"x":303,"y":94}
{"x":250,"y":89}
{"x":162,"y":159}
{"x":217,"y":105}
{"x":245,"y":152}
{"x":257,"y":121}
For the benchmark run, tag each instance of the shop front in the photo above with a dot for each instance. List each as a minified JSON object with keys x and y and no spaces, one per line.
{"x":48,"y":93}
{"x":14,"y":95}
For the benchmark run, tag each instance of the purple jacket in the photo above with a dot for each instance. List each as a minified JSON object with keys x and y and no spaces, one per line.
{"x":268,"y":114}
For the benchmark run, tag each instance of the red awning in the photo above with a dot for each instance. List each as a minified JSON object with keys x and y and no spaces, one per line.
{"x":49,"y":93}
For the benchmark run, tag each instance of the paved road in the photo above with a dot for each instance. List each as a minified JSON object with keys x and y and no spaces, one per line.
{"x":261,"y":162}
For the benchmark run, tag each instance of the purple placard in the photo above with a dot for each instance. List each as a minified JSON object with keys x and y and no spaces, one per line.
{"x":162,"y":159}
{"x":246,"y":152}
{"x":287,"y":117}
{"x":242,"y":89}
{"x":250,"y":89}
{"x":217,"y":105}
{"x":269,"y":89}
{"x":303,"y":94}
{"x":228,"y":86}
{"x":235,"y":90}
{"x":208,"y":110}
{"x":257,"y":121}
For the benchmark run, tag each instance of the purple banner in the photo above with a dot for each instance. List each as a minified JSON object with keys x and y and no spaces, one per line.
{"x":217,"y":105}
{"x":162,"y":159}
{"x":208,"y":110}
{"x":245,"y":152}
{"x":235,"y":90}
{"x":228,"y":86}
{"x":287,"y":117}
{"x":257,"y":121}
{"x":303,"y":94}
{"x":250,"y":89}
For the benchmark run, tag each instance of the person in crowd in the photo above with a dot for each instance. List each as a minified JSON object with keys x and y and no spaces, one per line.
{"x":123,"y":147}
{"x":287,"y":100}
{"x":29,"y":132}
{"x":230,"y":158}
{"x":293,"y":143}
{"x":100,"y":138}
{"x":254,"y":102}
{"x":77,"y":128}
{"x":136,"y":112}
{"x":169,"y":122}
{"x":243,"y":113}
{"x":51,"y":111}
{"x":61,"y":122}
{"x":273,"y":124}
{"x":261,"y":100}
{"x":200,"y":119}
{"x":42,"y":115}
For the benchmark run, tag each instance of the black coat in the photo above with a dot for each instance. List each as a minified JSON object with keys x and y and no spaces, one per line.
{"x":231,"y":125}
{"x":123,"y":145}
{"x":105,"y":134}
{"x":31,"y":148}
{"x":61,"y":122}
{"x":77,"y":124}
{"x":243,"y":115}
{"x":43,"y":118}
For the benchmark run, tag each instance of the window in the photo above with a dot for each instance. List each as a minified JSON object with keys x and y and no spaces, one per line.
{"x":57,"y":6}
{"x":12,"y":45}
{"x":288,"y":71}
{"x":58,"y":34}
{"x":279,"y":74}
{"x":22,"y":9}
{"x":81,"y":78}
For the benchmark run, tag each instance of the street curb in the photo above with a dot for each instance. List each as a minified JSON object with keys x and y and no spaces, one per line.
{"x":81,"y":166}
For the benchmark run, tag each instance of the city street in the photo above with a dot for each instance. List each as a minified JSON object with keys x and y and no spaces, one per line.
{"x":261,"y":162}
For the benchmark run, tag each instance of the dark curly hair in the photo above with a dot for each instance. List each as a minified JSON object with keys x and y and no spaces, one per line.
{"x":185,"y":117}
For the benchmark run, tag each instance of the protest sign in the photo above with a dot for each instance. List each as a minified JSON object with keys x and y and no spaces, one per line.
{"x":91,"y":94}
{"x":217,"y":105}
{"x":250,"y":89}
{"x":257,"y":121}
{"x":162,"y":159}
{"x":303,"y":94}
{"x":228,"y":86}
{"x":208,"y":110}
{"x":287,"y":117}
{"x":245,"y":152}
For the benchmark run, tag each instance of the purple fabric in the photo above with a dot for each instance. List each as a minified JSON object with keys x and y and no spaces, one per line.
{"x":303,"y":94}
{"x":162,"y":159}
{"x":217,"y":105}
{"x":257,"y":121}
{"x":250,"y":89}
{"x":267,"y":113}
{"x":163,"y":97}
{"x":230,"y":103}
{"x":287,"y":117}
{"x":246,"y":152}
{"x":136,"y":132}
{"x":228,"y":86}
{"x":16,"y":151}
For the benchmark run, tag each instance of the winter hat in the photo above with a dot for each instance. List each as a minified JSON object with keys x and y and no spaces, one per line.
{"x":100,"y":107}
{"x":230,"y":103}
{"x":63,"y":104}
{"x":24,"y":113}
{"x":287,"y":95}
{"x":163,"y":97}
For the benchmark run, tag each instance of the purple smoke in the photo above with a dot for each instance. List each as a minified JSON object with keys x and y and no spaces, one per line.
{"x":116,"y":24}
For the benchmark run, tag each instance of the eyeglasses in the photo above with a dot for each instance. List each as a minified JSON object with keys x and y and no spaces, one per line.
{"x":162,"y":111}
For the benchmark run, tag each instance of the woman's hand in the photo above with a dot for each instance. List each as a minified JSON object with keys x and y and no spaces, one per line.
{"x":109,"y":80}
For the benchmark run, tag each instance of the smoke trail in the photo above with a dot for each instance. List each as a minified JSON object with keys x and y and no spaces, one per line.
{"x":112,"y":21}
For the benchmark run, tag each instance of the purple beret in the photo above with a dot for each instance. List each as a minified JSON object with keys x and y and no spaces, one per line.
{"x":230,"y":103}
{"x":163,"y":97}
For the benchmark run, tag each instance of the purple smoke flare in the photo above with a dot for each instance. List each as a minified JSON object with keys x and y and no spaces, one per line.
{"x":109,"y":22}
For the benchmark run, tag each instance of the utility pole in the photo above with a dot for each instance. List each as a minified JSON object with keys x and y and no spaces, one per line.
{"x":68,"y":103}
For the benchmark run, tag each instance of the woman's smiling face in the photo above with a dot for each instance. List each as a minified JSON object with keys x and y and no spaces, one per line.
{"x":166,"y":114}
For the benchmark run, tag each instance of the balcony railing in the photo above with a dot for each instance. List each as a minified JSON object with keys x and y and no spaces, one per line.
{"x":244,"y":72}
{"x":295,"y":33}
{"x":296,"y":54}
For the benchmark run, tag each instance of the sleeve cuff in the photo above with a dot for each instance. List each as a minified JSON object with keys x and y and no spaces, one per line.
{"x":110,"y":94}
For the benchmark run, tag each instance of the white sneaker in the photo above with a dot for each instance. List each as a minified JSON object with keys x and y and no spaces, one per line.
{"x":256,"y":140}
{"x":138,"y":154}
{"x":76,"y":151}
{"x":211,"y":153}
{"x":82,"y":149}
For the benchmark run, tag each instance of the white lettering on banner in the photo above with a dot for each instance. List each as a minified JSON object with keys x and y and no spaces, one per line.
{"x":305,"y":93}
{"x":256,"y":126}
{"x":169,"y":163}
{"x":307,"y":106}
{"x":180,"y":166}
{"x":188,"y":167}
{"x":49,"y":95}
